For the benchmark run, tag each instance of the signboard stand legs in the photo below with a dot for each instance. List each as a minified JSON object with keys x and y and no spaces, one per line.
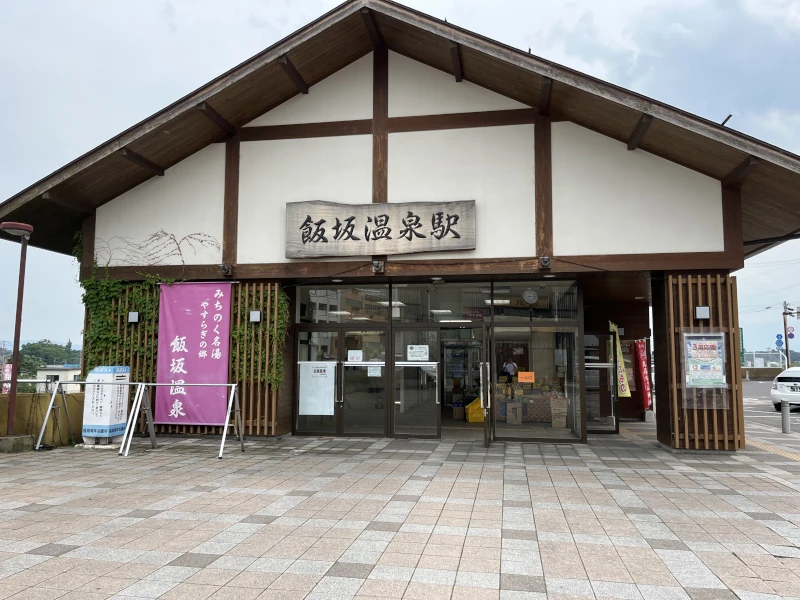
{"x":142,"y":396}
{"x":233,"y":398}
{"x":57,"y":389}
{"x":141,"y":402}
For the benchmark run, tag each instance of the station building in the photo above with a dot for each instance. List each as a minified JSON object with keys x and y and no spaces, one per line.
{"x":455,"y":225}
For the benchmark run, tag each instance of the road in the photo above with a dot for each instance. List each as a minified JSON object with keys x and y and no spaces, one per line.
{"x":758,"y":406}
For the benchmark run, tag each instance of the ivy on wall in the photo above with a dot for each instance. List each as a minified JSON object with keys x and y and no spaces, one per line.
{"x":107,"y":303}
{"x":246,"y":337}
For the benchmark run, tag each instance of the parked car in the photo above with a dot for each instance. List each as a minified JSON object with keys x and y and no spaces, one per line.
{"x":786,"y":386}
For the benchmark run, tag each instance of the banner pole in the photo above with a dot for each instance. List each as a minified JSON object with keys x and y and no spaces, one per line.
{"x":131,"y":417}
{"x":135,"y":410}
{"x":227,"y":420}
{"x":239,"y":417}
{"x":148,"y":408}
{"x":66,"y":412}
{"x":47,"y":415}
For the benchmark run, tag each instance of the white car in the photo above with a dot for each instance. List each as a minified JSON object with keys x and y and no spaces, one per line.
{"x":786,"y":386}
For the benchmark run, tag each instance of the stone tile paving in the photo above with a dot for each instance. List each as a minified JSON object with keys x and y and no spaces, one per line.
{"x":352,"y":518}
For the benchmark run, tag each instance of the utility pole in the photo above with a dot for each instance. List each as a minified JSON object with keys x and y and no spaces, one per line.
{"x":787,"y":311}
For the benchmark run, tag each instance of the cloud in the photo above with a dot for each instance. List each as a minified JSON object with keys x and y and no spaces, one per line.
{"x":784,"y":14}
{"x":780,"y":126}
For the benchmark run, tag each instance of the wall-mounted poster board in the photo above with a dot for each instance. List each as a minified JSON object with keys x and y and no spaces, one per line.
{"x":704,"y":360}
{"x":417,"y":352}
{"x":317,"y":393}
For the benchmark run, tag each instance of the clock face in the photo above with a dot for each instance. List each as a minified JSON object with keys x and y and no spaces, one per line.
{"x":530,"y":296}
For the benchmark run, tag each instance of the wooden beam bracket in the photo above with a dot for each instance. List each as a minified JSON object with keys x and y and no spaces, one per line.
{"x":70,"y":204}
{"x":457,"y":71}
{"x":372,"y":28}
{"x":740,"y":173}
{"x":141,"y":161}
{"x":224,"y":125}
{"x":639,"y":131}
{"x":544,"y":95}
{"x":293,"y":74}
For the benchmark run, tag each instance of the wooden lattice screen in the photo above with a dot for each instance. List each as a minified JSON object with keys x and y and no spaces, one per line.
{"x":707,"y":420}
{"x":253,"y":348}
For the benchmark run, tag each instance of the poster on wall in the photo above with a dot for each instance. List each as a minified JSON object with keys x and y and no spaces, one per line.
{"x":704,"y":360}
{"x":194,"y":330}
{"x":317,"y":393}
{"x":641,"y":356}
{"x":105,"y":407}
{"x":623,"y":391}
{"x":6,"y":376}
{"x":417,"y":352}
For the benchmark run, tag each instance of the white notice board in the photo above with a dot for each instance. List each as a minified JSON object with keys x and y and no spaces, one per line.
{"x":417,"y":352}
{"x":317,"y":392}
{"x":105,"y":407}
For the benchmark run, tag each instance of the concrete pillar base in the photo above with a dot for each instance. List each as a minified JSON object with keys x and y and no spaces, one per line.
{"x":15,"y":443}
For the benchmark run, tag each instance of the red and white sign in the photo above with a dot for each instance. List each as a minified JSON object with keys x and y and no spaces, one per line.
{"x":641,"y":353}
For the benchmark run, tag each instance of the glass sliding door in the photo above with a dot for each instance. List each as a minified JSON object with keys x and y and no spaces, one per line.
{"x":317,"y":382}
{"x":602,"y":403}
{"x":363,"y":396}
{"x":536,"y":388}
{"x":417,"y":403}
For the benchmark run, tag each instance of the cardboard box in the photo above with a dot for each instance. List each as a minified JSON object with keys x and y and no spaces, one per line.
{"x":459,"y":414}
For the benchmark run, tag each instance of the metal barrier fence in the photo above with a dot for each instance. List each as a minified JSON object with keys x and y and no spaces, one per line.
{"x":142,"y":391}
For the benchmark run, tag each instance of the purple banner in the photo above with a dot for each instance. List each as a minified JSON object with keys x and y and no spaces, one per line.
{"x":194,"y":326}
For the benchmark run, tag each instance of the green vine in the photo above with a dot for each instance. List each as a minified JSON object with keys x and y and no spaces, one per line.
{"x":245,"y":337}
{"x":102,"y":297}
{"x":105,"y":299}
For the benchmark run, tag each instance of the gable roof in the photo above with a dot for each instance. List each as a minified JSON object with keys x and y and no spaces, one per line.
{"x":55,"y":205}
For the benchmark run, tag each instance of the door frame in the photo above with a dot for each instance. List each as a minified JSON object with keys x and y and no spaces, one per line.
{"x":338,"y":413}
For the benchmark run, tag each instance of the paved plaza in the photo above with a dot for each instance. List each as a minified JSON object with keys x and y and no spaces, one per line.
{"x":428,"y":520}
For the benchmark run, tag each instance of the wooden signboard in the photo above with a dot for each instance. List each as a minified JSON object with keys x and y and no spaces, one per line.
{"x":319,"y":228}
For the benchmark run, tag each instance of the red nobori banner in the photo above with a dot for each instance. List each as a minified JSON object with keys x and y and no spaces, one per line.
{"x":641,"y":353}
{"x":194,"y":326}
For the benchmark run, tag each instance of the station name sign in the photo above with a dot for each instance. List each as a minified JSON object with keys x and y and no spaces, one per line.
{"x":319,"y":228}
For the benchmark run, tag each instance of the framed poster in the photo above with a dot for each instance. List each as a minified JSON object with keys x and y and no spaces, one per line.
{"x":417,"y":352}
{"x":704,"y":360}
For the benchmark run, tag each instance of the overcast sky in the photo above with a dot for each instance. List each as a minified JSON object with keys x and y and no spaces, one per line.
{"x":77,"y":73}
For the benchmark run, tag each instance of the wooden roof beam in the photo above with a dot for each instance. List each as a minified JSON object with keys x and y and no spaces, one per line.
{"x":141,"y":161}
{"x":372,"y":28}
{"x":70,"y":204}
{"x":740,"y":173}
{"x":639,"y":131}
{"x":224,"y":125}
{"x":544,"y":95}
{"x":459,"y":75}
{"x":293,"y":74}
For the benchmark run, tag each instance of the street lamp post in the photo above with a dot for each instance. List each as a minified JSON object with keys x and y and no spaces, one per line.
{"x":22,"y":231}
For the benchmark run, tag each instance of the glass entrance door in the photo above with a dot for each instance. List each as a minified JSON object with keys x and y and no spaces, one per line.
{"x":417,"y":402}
{"x":341,"y":383}
{"x":363,"y":396}
{"x":601,"y":389}
{"x":318,"y":382}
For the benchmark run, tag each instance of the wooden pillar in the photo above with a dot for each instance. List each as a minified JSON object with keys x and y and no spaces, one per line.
{"x":696,"y":419}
